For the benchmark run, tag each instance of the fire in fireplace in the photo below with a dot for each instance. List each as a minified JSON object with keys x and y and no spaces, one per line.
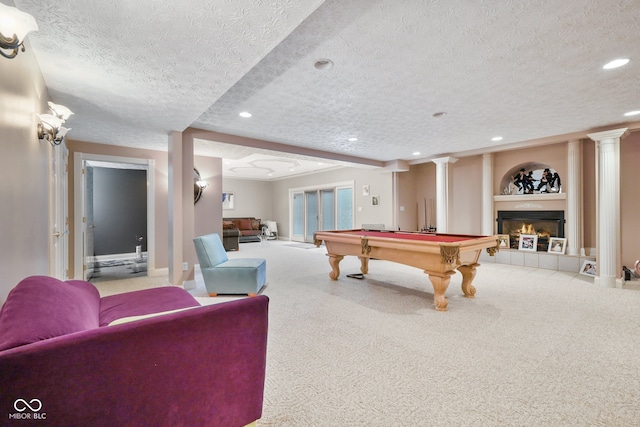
{"x":544,"y":224}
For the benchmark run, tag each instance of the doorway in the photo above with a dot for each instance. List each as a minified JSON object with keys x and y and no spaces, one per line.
{"x":113,"y":217}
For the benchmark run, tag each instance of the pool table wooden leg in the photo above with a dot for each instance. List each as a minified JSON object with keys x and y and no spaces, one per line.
{"x":364,"y":264}
{"x":334,"y":261}
{"x":440,"y":284}
{"x":468,"y":274}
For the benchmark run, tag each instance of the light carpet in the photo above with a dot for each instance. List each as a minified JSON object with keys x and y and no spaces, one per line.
{"x":533,"y":348}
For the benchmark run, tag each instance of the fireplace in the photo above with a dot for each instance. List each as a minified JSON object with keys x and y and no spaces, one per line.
{"x":544,"y":224}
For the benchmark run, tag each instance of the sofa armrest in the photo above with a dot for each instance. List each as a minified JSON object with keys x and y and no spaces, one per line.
{"x":204,"y":366}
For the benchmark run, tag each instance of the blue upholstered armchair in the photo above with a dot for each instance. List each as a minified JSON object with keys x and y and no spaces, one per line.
{"x":228,"y":276}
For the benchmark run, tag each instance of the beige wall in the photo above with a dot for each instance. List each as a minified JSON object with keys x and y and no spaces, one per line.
{"x":207,"y":211}
{"x":407,"y":210}
{"x":252,"y":198}
{"x":629,"y":199}
{"x":465,"y":209}
{"x":24,"y":161}
{"x":425,"y":194}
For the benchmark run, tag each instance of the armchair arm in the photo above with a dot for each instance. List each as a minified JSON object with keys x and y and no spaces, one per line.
{"x":204,"y":366}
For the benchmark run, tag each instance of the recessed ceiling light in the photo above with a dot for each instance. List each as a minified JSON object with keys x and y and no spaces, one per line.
{"x":632,"y":113}
{"x":439,"y":114}
{"x":269,"y":174}
{"x":245,"y":114}
{"x":352,"y":139}
{"x":291,"y":170}
{"x":496,"y":138}
{"x":323,"y":64}
{"x":416,"y":153}
{"x":616,"y":63}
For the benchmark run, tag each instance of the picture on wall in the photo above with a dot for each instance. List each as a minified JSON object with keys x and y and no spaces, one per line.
{"x":557,"y":245}
{"x":528,"y":242}
{"x":375,"y":200}
{"x":365,"y":190}
{"x":228,"y":200}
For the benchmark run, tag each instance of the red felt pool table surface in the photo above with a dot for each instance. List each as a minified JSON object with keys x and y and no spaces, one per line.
{"x":439,"y":255}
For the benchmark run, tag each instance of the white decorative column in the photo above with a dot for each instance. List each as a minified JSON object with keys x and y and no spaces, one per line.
{"x":572,"y":185}
{"x":442,"y":192}
{"x":608,"y":207}
{"x":488,"y":220}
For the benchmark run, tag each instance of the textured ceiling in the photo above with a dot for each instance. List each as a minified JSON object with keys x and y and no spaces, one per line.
{"x":523,"y":70}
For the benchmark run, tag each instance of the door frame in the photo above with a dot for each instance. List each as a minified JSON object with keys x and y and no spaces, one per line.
{"x":79,"y":206}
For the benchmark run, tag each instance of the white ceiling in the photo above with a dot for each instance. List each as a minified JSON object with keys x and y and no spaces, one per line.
{"x":132,"y":71}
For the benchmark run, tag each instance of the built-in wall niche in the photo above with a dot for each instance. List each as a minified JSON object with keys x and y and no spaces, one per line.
{"x":531,"y":178}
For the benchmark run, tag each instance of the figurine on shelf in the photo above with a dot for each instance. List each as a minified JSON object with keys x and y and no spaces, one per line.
{"x":519,"y":179}
{"x":544,"y":181}
{"x":528,"y":183}
{"x":555,"y":183}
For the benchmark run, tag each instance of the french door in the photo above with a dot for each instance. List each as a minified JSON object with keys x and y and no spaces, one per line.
{"x":325,"y":208}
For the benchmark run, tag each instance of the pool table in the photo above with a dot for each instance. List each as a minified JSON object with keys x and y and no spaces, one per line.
{"x":439,"y":255}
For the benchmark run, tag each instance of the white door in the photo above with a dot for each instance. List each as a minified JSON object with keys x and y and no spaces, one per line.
{"x":88,"y":257}
{"x":59,"y":261}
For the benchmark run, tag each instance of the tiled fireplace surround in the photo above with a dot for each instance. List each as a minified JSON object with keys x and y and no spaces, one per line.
{"x":544,"y":260}
{"x":540,"y":259}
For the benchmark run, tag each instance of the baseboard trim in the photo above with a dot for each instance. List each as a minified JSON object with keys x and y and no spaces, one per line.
{"x":155,"y":272}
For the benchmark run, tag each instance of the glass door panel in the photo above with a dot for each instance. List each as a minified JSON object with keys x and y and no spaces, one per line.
{"x":345,"y":208}
{"x":311,"y":215}
{"x":298,"y":217}
{"x":327,"y":219}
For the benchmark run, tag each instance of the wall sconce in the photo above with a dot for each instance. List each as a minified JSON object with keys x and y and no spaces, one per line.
{"x":50,"y":126}
{"x":14,"y":26}
{"x":199,"y":184}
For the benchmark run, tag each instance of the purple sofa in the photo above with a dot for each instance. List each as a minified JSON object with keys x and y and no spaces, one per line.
{"x":61,"y":361}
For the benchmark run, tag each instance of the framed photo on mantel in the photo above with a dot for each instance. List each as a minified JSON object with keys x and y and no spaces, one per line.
{"x":503,"y":241}
{"x":528,"y":242}
{"x":557,"y":245}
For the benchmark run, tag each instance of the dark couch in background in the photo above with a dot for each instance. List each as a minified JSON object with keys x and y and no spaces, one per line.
{"x":63,"y":357}
{"x":250,"y":228}
{"x":231,"y":239}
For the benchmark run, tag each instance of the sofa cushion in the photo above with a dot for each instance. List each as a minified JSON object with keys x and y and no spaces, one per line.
{"x":255,"y":224}
{"x":227,"y":225}
{"x":42,"y":307}
{"x":146,"y":301}
{"x":245,"y":224}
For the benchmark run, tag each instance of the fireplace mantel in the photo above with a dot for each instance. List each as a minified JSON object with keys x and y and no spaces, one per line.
{"x":529,"y":197}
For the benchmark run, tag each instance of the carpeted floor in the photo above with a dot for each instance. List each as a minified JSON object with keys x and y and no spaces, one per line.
{"x":533,"y":348}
